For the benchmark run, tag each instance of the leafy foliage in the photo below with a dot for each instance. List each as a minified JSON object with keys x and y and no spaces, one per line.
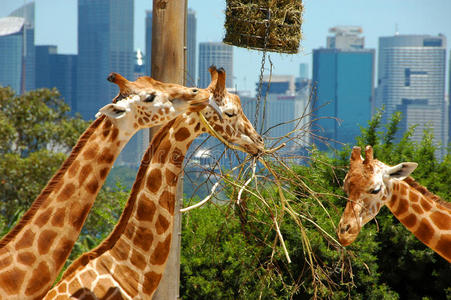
{"x":36,"y":132}
{"x":228,"y":252}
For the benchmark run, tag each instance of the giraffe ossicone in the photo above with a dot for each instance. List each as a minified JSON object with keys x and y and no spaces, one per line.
{"x":33,"y":253}
{"x":371,"y":184}
{"x":131,"y":260}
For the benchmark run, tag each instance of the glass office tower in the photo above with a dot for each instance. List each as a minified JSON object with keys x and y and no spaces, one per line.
{"x":343,"y":91}
{"x":411,"y":79}
{"x":218,"y":54}
{"x":105,"y":44}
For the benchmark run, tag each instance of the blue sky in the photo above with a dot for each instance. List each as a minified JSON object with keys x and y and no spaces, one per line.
{"x":56,"y":23}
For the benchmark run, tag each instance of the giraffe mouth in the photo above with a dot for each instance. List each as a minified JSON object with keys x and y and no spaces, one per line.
{"x":113,"y":111}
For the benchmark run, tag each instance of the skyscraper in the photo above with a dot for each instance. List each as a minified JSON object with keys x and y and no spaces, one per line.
{"x":303,"y":71}
{"x":11,"y":49}
{"x":190,"y":72}
{"x":411,"y":79}
{"x":28,"y":75}
{"x":148,"y":49}
{"x":17,"y":59}
{"x":57,"y":70}
{"x":191,"y":27}
{"x":343,"y":90}
{"x":105,"y":44}
{"x":215,"y":53}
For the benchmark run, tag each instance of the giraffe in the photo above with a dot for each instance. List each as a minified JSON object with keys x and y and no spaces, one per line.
{"x":130,"y":262}
{"x":35,"y":250}
{"x":370,"y":184}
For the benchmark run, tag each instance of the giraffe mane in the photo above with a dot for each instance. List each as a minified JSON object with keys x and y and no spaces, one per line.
{"x":52,"y":182}
{"x":425,"y":192}
{"x":118,"y":230}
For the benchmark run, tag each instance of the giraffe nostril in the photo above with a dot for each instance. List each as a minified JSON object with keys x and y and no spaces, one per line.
{"x":344,"y":229}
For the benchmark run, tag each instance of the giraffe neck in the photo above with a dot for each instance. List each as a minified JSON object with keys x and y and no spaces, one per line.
{"x":422,"y":214}
{"x":34,"y":252}
{"x":132,"y":259}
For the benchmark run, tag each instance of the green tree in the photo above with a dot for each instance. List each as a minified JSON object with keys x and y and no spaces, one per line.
{"x":36,"y":133}
{"x":228,"y":249}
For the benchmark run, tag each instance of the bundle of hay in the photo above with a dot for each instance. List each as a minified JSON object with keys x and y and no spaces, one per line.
{"x":248,"y":22}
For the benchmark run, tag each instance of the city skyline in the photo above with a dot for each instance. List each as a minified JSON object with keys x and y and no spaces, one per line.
{"x":414,"y":18}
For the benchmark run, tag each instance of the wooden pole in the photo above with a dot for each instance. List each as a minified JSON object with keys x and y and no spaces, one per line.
{"x":168,"y":65}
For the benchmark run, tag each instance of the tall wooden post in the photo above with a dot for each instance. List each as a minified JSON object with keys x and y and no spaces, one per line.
{"x":168,"y":65}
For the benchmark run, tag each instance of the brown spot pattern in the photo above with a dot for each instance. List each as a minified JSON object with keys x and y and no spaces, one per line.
{"x":417,"y":209}
{"x":402,"y":207}
{"x":106,"y":157}
{"x":425,"y":231}
{"x":167,"y":201}
{"x":163,"y":151}
{"x":45,"y":241}
{"x":151,"y":281}
{"x":177,"y":158}
{"x":74,"y":168}
{"x":114,"y":134}
{"x":196,"y":129}
{"x":409,"y":221}
{"x":103,"y":173}
{"x":12,"y":280}
{"x":84,"y":174}
{"x":44,"y":217}
{"x":143,"y":238}
{"x":78,"y":214}
{"x":58,"y":217}
{"x":40,"y":279}
{"x":127,"y":285}
{"x":121,"y":250}
{"x":413,"y":196}
{"x":92,"y":186}
{"x":161,"y":252}
{"x":444,"y":246}
{"x":74,"y":286}
{"x":425,"y":204}
{"x":62,"y":250}
{"x":153,"y":181}
{"x":91,"y":152}
{"x":26,"y":240}
{"x":171,"y":178}
{"x":6,"y":261}
{"x":441,"y":220}
{"x":138,"y":260}
{"x":146,"y":209}
{"x":67,"y":191}
{"x":182,"y":134}
{"x":26,"y":258}
{"x":162,"y":224}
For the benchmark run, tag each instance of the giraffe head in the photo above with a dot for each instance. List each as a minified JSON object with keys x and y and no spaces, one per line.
{"x":368,"y":185}
{"x":147,"y":102}
{"x":232,"y":123}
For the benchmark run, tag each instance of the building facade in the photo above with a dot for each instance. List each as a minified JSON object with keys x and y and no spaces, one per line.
{"x":411,"y":79}
{"x":27,"y":12}
{"x":105,"y":44}
{"x":191,"y":45}
{"x":57,"y":71}
{"x":218,"y":54}
{"x":17,"y":52}
{"x":342,"y":93}
{"x":11,"y":49}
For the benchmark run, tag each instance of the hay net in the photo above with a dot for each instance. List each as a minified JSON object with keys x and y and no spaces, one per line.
{"x":270,"y":25}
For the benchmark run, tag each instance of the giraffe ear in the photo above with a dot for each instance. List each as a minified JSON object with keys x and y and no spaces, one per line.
{"x":401,"y":171}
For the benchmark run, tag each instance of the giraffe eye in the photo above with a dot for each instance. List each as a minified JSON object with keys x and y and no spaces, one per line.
{"x":375,"y":191}
{"x":230,"y":115}
{"x":150,"y":98}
